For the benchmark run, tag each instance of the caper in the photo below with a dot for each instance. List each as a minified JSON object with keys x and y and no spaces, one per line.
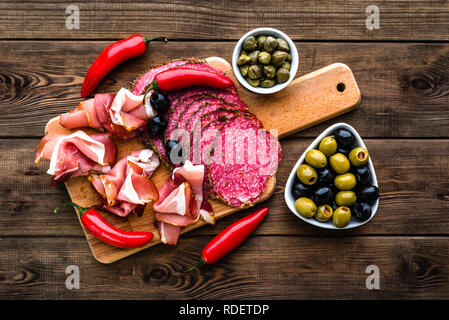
{"x":278,"y":57}
{"x":253,"y":55}
{"x":341,"y":217}
{"x":328,"y":146}
{"x":243,"y":59}
{"x":255,"y":72}
{"x":264,"y":57}
{"x":358,"y":156}
{"x":339,"y":163}
{"x":305,"y":207}
{"x":260,"y":41}
{"x":244,"y":70}
{"x":283,"y":45}
{"x":316,"y":158}
{"x":306,"y":174}
{"x":249,"y":43}
{"x":270,"y":44}
{"x":345,"y":181}
{"x":267,"y":83}
{"x":285,"y":65}
{"x":282,"y":75}
{"x":323,"y":213}
{"x":269,"y":71}
{"x":254,"y":83}
{"x":345,"y":198}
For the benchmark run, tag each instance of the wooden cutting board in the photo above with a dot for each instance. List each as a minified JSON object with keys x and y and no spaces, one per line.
{"x":308,"y":100}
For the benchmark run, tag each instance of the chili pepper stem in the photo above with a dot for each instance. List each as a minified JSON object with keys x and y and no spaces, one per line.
{"x":153,"y":86}
{"x":148,"y":40}
{"x":69,"y":203}
{"x":201,"y":262}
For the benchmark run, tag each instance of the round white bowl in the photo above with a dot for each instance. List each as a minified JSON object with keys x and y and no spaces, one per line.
{"x":290,"y":200}
{"x":268,"y":32}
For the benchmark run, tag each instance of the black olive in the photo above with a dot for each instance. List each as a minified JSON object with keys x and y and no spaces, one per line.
{"x":362,"y":175}
{"x":325,"y":176}
{"x":334,"y":205}
{"x":344,"y":151}
{"x":368,"y":194}
{"x":301,"y":190}
{"x":323,"y":195}
{"x":159,"y":102}
{"x":175,"y":151}
{"x":362,"y":211}
{"x":345,"y":138}
{"x":157,"y":126}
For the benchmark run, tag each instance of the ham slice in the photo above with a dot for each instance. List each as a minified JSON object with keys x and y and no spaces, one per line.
{"x":181,"y":202}
{"x":76,"y":154}
{"x":120,"y":114}
{"x":127,"y":185}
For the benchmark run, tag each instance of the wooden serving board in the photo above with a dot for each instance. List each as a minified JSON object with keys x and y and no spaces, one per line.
{"x":308,"y":100}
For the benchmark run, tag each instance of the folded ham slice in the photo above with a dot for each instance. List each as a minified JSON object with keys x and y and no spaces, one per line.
{"x":121,"y":114}
{"x":77,"y":154}
{"x":181,"y":202}
{"x":127,"y":187}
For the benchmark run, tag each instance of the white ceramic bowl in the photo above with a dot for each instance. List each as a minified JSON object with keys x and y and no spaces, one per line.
{"x":290,"y":200}
{"x":268,"y":32}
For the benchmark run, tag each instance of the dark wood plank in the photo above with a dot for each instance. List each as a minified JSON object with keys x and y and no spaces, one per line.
{"x":264,"y":267}
{"x":413,"y":177}
{"x":224,"y":19}
{"x":405,"y":87}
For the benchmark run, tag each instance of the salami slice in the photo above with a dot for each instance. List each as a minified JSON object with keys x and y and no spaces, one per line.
{"x":239,"y":171}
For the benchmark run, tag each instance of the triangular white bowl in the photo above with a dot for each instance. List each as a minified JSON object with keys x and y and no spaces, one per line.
{"x":290,"y":200}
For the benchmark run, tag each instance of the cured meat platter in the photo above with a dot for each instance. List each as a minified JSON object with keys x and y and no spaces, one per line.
{"x":308,"y":100}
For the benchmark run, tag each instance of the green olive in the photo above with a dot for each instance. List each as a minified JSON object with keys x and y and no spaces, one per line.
{"x":255,"y":72}
{"x":289,"y":58}
{"x":323,"y":213}
{"x":339,"y":163}
{"x":260,"y":41}
{"x":341,"y":217}
{"x":269,"y":71}
{"x":286,"y":65}
{"x":282,"y":75}
{"x":254,"y":83}
{"x":249,"y":43}
{"x":267,"y":83}
{"x":316,"y":158}
{"x":305,"y":207}
{"x":270,"y":44}
{"x":306,"y":174}
{"x":253,"y":55}
{"x":358,"y":156}
{"x":328,"y":146}
{"x":345,"y":198}
{"x":278,"y":58}
{"x":243,"y":59}
{"x":244,"y":70}
{"x":345,"y":181}
{"x":264,"y":57}
{"x":283,"y":45}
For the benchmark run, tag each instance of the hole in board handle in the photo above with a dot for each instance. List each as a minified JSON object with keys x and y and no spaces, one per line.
{"x":341,"y":87}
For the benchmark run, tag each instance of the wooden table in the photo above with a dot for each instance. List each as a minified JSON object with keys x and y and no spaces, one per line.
{"x":403,"y":73}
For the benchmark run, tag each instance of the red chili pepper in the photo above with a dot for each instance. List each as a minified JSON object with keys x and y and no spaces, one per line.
{"x":180,"y":78}
{"x":113,"y":55}
{"x":102,"y":230}
{"x":230,"y":238}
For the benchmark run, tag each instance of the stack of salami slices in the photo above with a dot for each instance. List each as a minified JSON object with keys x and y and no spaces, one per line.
{"x":216,"y":129}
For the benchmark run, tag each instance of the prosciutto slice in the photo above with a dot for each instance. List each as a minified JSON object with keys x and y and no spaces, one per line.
{"x":120,"y":114}
{"x":181,"y":202}
{"x":77,"y":154}
{"x":127,"y":187}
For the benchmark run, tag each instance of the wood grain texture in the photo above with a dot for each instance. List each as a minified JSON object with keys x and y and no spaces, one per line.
{"x":405,"y":87}
{"x":274,"y":267}
{"x":226,"y":19}
{"x":413,"y":177}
